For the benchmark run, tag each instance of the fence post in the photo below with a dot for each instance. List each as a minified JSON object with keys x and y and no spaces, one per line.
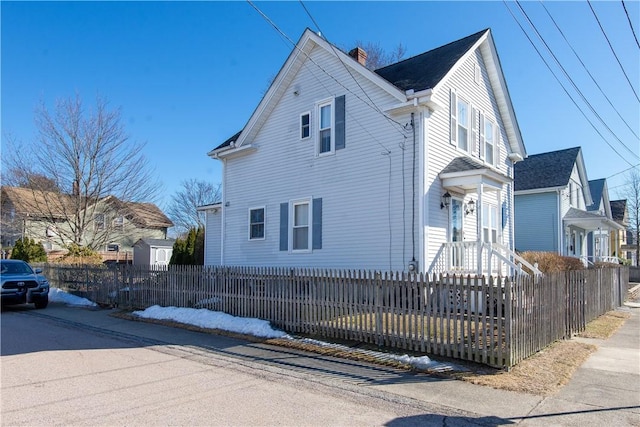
{"x":378,"y":308}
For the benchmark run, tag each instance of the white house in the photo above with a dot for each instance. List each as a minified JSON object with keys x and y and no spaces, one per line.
{"x":406,"y":168}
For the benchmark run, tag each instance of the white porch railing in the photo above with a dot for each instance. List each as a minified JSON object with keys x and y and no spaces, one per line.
{"x":590,"y":260}
{"x":478,"y":259}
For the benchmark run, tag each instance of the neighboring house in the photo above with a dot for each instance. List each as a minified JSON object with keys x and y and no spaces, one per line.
{"x":406,"y":168}
{"x":111,"y":225}
{"x":619,"y":238}
{"x":555,"y":209}
{"x":153,"y":251}
{"x":599,"y":245}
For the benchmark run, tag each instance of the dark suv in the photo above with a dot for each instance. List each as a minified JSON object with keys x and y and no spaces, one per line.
{"x":21,"y":284}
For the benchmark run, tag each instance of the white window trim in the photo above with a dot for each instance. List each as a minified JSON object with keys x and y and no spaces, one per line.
{"x":491,"y":213}
{"x":292,"y":205}
{"x":264,"y":223}
{"x":469,"y":124}
{"x":118,"y":222}
{"x":319,"y":105}
{"x":494,"y":128}
{"x":306,"y":113}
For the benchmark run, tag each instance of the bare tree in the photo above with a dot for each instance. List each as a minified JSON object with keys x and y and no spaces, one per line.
{"x":632,"y":193}
{"x":183,"y":206}
{"x":81,"y":157}
{"x":377,"y":57}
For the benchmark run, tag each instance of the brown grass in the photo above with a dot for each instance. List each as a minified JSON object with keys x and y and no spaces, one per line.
{"x":542,"y":374}
{"x":604,"y":326}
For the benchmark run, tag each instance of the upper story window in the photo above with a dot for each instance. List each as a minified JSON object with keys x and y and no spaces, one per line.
{"x":331,"y":126}
{"x":460,"y":122}
{"x":118,"y":222}
{"x":256,"y":223}
{"x":99,"y":222}
{"x":488,"y":141}
{"x":325,"y":139}
{"x":305,"y":125}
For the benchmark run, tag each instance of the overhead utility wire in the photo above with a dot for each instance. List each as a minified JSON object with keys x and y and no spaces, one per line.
{"x":613,"y":51}
{"x":560,"y":83}
{"x":630,"y":23}
{"x":309,"y":57}
{"x":587,"y":70}
{"x":347,"y":68}
{"x":568,"y":77}
{"x":621,"y":172}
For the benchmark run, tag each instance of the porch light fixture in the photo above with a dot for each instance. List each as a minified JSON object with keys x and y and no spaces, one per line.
{"x":470,"y":207}
{"x":446,"y":199}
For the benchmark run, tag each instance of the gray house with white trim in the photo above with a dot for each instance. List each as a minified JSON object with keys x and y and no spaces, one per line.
{"x":409,"y":167}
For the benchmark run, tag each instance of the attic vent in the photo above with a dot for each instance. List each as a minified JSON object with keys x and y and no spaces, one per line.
{"x":359,"y":55}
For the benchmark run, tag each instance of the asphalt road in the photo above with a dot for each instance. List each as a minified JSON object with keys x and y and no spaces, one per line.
{"x":59,"y":369}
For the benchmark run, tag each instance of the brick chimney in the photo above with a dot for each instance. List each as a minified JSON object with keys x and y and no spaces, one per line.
{"x":359,"y":55}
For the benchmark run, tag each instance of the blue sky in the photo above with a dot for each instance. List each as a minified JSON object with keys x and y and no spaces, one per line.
{"x":188,"y":75}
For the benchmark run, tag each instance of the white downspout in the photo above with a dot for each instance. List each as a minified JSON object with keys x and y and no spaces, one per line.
{"x":223,"y":208}
{"x":560,"y":225}
{"x":423,"y":211}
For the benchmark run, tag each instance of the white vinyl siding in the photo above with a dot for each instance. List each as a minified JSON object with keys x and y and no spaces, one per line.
{"x":361,"y":228}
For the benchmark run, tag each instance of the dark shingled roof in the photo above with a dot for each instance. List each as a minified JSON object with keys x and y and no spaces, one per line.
{"x":596,"y":187}
{"x":228,"y":141}
{"x":461,"y":164}
{"x":545,"y":170}
{"x":425,"y":71}
{"x":618,"y":208}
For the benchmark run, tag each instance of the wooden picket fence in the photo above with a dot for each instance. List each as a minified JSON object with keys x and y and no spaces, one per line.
{"x":494,"y":321}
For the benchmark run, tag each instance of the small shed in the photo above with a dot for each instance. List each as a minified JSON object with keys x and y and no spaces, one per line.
{"x":152,"y":251}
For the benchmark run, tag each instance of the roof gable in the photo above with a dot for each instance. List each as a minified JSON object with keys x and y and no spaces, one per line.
{"x":597,"y":188}
{"x":403,"y":80}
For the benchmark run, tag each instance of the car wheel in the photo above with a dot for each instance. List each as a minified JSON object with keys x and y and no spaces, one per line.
{"x":42,"y":303}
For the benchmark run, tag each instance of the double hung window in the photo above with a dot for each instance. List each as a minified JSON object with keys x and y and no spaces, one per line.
{"x":98,"y":221}
{"x":460,"y":122}
{"x":488,"y":141}
{"x":489,"y":223}
{"x":256,"y":223}
{"x":300,"y":225}
{"x":325,"y":128}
